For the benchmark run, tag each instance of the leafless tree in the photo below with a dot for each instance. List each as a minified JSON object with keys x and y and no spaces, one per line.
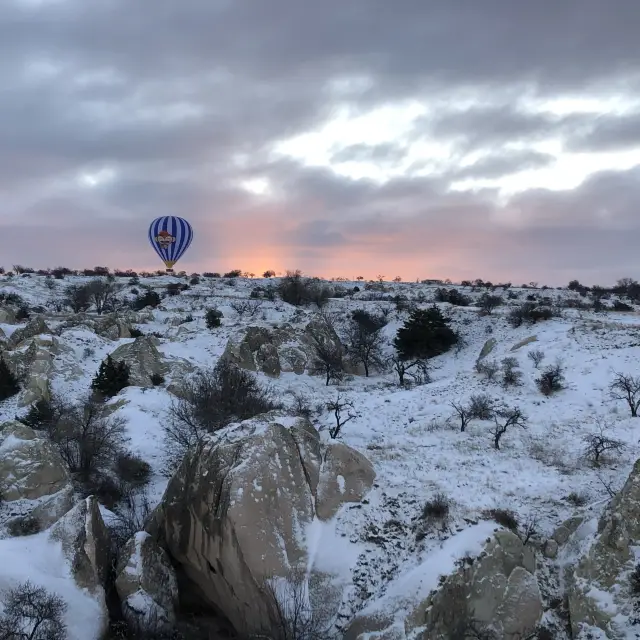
{"x":599,"y":443}
{"x":463,"y":413}
{"x":626,"y":387}
{"x":327,"y":359}
{"x":364,"y":339}
{"x":103,"y":293}
{"x":339,"y":407}
{"x":87,"y":438}
{"x":78,"y":297}
{"x":488,"y":368}
{"x":536,"y":356}
{"x":32,"y":613}
{"x":504,"y":420}
{"x":417,"y":370}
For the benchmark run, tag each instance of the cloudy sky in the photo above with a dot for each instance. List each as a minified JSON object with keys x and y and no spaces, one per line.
{"x":419,"y":138}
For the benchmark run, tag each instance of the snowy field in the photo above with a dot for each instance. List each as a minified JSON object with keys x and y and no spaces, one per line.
{"x":411,"y":436}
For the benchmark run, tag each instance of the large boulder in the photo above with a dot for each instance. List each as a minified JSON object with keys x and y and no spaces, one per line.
{"x":235,"y":516}
{"x":112,"y":327}
{"x":497,"y":591}
{"x":600,"y":594}
{"x":30,"y":466}
{"x":146,"y":583}
{"x":35,"y":327}
{"x":86,"y":543}
{"x":284,"y":349}
{"x":347,"y":476}
{"x":8,"y":315}
{"x":144,"y":360}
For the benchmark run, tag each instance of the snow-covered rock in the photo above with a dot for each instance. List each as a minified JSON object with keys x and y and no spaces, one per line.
{"x":146,"y":583}
{"x":144,"y":360}
{"x":30,"y":466}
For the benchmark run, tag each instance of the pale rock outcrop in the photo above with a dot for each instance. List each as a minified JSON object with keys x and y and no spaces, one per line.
{"x":487,"y":348}
{"x":599,"y":589}
{"x":113,"y":327}
{"x":498,"y":591}
{"x":35,"y":327}
{"x":30,"y":466}
{"x":146,"y":582}
{"x":86,"y":544}
{"x":235,"y":515}
{"x":8,"y":315}
{"x":524,"y":343}
{"x":284,"y":349}
{"x":347,"y":476}
{"x":143,"y":358}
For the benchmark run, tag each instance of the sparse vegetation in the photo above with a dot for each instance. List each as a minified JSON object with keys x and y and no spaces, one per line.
{"x":213,"y":318}
{"x":112,"y":377}
{"x":551,"y":380}
{"x":511,"y":374}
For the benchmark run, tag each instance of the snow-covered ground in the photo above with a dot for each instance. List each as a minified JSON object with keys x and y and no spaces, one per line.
{"x":410,"y":435}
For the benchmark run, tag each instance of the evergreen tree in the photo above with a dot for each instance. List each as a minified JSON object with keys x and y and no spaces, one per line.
{"x":111,"y":378}
{"x":425,"y":334}
{"x":8,"y":382}
{"x":41,"y":414}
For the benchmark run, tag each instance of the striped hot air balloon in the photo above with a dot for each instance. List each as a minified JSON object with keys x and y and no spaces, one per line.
{"x":170,"y":236}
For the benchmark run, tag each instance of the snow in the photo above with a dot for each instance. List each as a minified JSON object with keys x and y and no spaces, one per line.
{"x":41,"y":561}
{"x":409,"y":435}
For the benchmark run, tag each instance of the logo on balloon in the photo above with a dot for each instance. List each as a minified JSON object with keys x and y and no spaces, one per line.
{"x":164,"y":239}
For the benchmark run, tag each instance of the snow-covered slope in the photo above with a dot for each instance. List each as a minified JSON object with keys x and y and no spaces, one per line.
{"x":410,"y":435}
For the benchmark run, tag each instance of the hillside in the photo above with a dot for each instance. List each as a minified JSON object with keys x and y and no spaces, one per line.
{"x":385,"y":551}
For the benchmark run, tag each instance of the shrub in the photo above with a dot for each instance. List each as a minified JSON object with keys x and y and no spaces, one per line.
{"x":452,"y":296}
{"x":505,"y":518}
{"x":536,"y":356}
{"x":634,"y":580}
{"x":132,"y":469}
{"x":32,"y":613}
{"x":212,"y":318}
{"x":246,"y":307}
{"x":298,"y":290}
{"x":112,"y":377}
{"x":23,"y":526}
{"x":87,"y":438}
{"x":211,"y":401}
{"x":174,"y":289}
{"x":103,"y":294}
{"x":42,"y":415}
{"x":327,"y":358}
{"x":9,"y":386}
{"x":511,"y":375}
{"x":529,"y":313}
{"x":488,"y":368}
{"x":424,"y":335}
{"x":437,"y":508}
{"x":481,"y":406}
{"x":149,"y":298}
{"x":156,"y":379}
{"x":551,"y":380}
{"x":234,"y":273}
{"x":489,"y":302}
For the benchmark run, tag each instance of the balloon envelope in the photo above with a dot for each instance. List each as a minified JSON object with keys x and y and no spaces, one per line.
{"x":170,"y":236}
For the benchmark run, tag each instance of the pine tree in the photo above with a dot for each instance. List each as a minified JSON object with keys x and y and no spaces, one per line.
{"x":8,"y":382}
{"x":111,"y":378}
{"x":424,"y":335}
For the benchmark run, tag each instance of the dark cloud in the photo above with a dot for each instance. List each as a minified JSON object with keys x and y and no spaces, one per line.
{"x":182,"y":101}
{"x":496,"y":165}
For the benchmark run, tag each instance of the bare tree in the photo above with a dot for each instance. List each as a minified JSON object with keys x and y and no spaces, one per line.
{"x":463,"y":414}
{"x":339,"y":406}
{"x":364,"y":339}
{"x":536,"y":356}
{"x":78,"y":297}
{"x":32,"y":613}
{"x":210,"y":401}
{"x":417,"y":370}
{"x":327,"y":359}
{"x":551,"y":380}
{"x":103,"y":293}
{"x":488,"y":368}
{"x":626,"y":387}
{"x":87,"y":438}
{"x":504,"y":420}
{"x":598,"y":443}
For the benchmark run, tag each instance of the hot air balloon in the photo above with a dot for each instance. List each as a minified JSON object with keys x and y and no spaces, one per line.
{"x":170,"y":236}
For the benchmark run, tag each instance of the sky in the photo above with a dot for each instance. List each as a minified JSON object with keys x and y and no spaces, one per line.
{"x":415,"y":138}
